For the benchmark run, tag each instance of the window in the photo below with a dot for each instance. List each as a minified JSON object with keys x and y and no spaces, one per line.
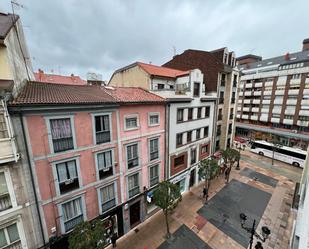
{"x":220,"y":115}
{"x":9,"y":237}
{"x":132,"y":155}
{"x":5,"y":199}
{"x":221,"y":99}
{"x":153,"y":119}
{"x":160,"y":86}
{"x":178,"y":161}
{"x":219,"y":130}
{"x":198,"y":134}
{"x":179,"y":139}
{"x":61,"y":132}
{"x":133,"y":185}
{"x":72,"y":214}
{"x":204,"y":149}
{"x":193,"y":156}
{"x":189,"y":136}
{"x":131,"y":122}
{"x":233,"y":98}
{"x":105,"y":164}
{"x":153,"y":175}
{"x":199,"y":112}
{"x":232,"y":113}
{"x":230,"y":129}
{"x":179,"y":115}
{"x":67,"y":176}
{"x":3,"y":128}
{"x":223,"y":80}
{"x":102,"y":129}
{"x":190,"y":113}
{"x":108,"y":197}
{"x":206,"y":130}
{"x":154,"y":149}
{"x":196,"y":90}
{"x":207,"y":112}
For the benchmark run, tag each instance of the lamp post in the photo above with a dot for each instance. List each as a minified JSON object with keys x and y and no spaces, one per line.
{"x":237,"y":166}
{"x":253,"y":233}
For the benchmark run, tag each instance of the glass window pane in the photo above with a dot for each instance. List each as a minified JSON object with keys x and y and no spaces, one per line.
{"x":13,"y":233}
{"x":3,"y":241}
{"x":3,"y":186}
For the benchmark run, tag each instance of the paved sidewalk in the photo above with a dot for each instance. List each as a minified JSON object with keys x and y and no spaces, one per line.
{"x":276,"y":216}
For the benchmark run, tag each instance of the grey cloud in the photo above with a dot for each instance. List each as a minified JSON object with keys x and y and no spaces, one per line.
{"x":101,"y":36}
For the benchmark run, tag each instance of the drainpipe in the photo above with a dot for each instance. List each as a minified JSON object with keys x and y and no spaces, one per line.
{"x":167,"y":143}
{"x":32,"y":180}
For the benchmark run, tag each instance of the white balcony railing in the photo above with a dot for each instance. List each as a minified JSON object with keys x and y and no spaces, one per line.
{"x":288,"y":121}
{"x":257,"y":93}
{"x":269,"y":83}
{"x":254,"y":117}
{"x":291,"y":102}
{"x":264,"y":118}
{"x":245,"y":109}
{"x":244,"y":116}
{"x":248,"y":93}
{"x":279,"y":92}
{"x":266,"y":101}
{"x":289,"y":111}
{"x":293,"y":92}
{"x":305,"y":102}
{"x":275,"y":120}
{"x":255,"y":109}
{"x":267,"y":93}
{"x":258,"y":84}
{"x":278,"y":101}
{"x":256,"y":101}
{"x":303,"y":123}
{"x":304,"y":112}
{"x":247,"y":101}
{"x":248,"y":85}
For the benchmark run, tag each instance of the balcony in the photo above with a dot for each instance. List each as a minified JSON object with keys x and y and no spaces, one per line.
{"x":265,"y":110}
{"x":306,"y":91}
{"x":305,"y":102}
{"x":277,"y":110}
{"x":256,"y":101}
{"x":258,"y":93}
{"x":295,"y":82}
{"x":238,"y":108}
{"x":291,"y":102}
{"x":279,"y":92}
{"x":275,"y":120}
{"x":248,"y":93}
{"x":63,"y":144}
{"x":303,"y":123}
{"x":269,"y":83}
{"x":70,"y":224}
{"x":238,"y":115}
{"x":289,"y":111}
{"x":255,"y":109}
{"x":108,"y":205}
{"x":266,"y":101}
{"x":278,"y":101}
{"x":247,"y":101}
{"x":241,"y":93}
{"x":134,"y":191}
{"x":103,"y":137}
{"x":267,"y":93}
{"x":304,"y":112}
{"x":288,"y":121}
{"x":245,"y":109}
{"x":249,"y":85}
{"x":264,"y":118}
{"x":293,"y":92}
{"x":244,"y":116}
{"x":258,"y":84}
{"x":254,"y":117}
{"x":8,"y":150}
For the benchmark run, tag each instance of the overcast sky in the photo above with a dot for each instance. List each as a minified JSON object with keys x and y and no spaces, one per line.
{"x":78,"y":36}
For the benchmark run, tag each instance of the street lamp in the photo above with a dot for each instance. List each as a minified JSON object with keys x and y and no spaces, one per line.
{"x":251,"y":230}
{"x":237,"y":167}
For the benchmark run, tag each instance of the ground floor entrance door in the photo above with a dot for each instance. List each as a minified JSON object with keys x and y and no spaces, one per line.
{"x":192,"y":178}
{"x":135,"y":217}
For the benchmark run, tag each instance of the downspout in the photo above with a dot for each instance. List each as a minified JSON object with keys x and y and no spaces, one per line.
{"x":32,"y":180}
{"x":167,"y":150}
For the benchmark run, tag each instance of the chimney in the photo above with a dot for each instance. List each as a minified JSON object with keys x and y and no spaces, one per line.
{"x":287,"y":56}
{"x":41,"y":73}
{"x":306,"y":44}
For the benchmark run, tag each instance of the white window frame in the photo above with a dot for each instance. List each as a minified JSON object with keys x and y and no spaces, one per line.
{"x":56,"y":181}
{"x":97,"y":166}
{"x":94,"y":115}
{"x":139,"y":184}
{"x":126,"y":155}
{"x":100,"y":198}
{"x":159,"y":156}
{"x":153,"y":114}
{"x":159,"y":175}
{"x":20,"y":230}
{"x":50,"y":138}
{"x":60,"y":211}
{"x":10,"y":187}
{"x":131,"y":116}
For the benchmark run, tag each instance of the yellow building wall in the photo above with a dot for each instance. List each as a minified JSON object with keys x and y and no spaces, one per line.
{"x":134,"y":76}
{"x":5,"y":72}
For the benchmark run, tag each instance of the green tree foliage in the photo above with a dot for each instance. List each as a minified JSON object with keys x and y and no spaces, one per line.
{"x":88,"y":235}
{"x":208,"y":169}
{"x":167,"y":197}
{"x":230,"y":157}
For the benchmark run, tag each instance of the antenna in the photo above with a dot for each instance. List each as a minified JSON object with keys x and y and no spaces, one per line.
{"x":18,"y":5}
{"x":174,"y":50}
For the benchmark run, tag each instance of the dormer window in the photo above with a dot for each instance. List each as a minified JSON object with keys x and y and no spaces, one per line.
{"x":196,"y":90}
{"x":160,"y":86}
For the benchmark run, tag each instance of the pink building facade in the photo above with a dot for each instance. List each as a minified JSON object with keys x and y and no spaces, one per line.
{"x":94,"y":153}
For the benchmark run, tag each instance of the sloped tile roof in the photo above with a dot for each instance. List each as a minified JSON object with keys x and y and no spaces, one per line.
{"x":207,"y":62}
{"x":162,"y":71}
{"x":59,"y":79}
{"x":38,"y":93}
{"x":133,"y":95}
{"x":6,"y":23}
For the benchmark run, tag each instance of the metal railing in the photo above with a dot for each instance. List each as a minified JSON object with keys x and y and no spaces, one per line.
{"x":154,"y":181}
{"x":70,"y":224}
{"x":108,"y":205}
{"x":134,"y":191}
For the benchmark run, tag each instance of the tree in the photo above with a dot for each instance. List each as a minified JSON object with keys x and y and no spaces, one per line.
{"x":88,"y":235}
{"x":208,"y":169}
{"x":230,"y":157}
{"x":167,"y":197}
{"x":276,"y":145}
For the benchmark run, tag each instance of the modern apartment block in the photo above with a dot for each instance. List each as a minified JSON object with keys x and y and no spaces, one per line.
{"x":274,"y":98}
{"x":19,"y":223}
{"x":189,"y":115}
{"x":95,"y":153}
{"x":220,"y":78}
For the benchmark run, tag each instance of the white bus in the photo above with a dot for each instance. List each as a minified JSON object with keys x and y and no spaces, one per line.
{"x":285,"y":154}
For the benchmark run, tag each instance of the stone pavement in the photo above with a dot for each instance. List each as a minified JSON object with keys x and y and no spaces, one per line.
{"x":277,"y":215}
